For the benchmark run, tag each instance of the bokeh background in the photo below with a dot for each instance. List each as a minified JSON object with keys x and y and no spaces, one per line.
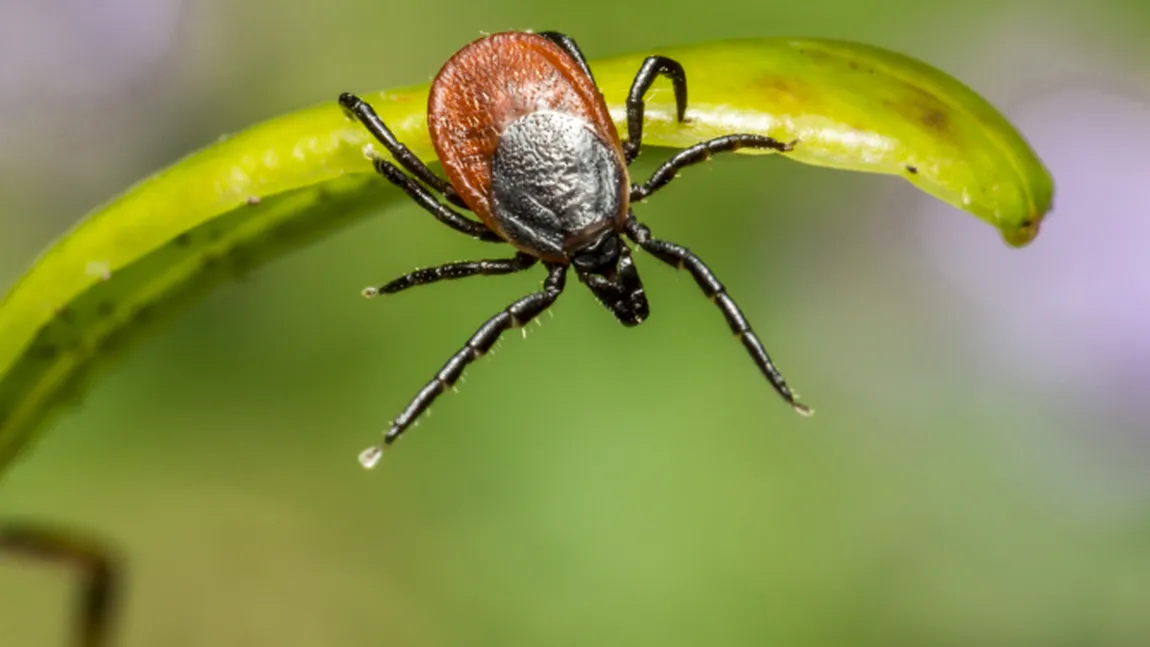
{"x":977,"y":472}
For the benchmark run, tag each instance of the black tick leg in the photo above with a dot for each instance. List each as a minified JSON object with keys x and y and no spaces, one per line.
{"x":653,"y":67}
{"x":702,"y":152}
{"x":442,"y":212}
{"x":362,"y":111}
{"x":515,"y":315}
{"x":568,"y":45}
{"x":461,"y":270}
{"x":682,"y":258}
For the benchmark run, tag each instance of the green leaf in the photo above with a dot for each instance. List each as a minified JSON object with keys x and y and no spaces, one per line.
{"x":289,"y":181}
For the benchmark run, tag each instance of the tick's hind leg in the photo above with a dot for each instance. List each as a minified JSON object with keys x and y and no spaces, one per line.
{"x":515,"y":315}
{"x":461,"y":270}
{"x":702,"y":152}
{"x":366,"y":115}
{"x":682,"y":258}
{"x":652,"y":68}
{"x":97,"y":600}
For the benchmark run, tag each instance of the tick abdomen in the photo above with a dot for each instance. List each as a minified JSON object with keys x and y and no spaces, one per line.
{"x":555,"y":183}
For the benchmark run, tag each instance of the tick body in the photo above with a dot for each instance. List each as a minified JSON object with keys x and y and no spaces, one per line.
{"x":526,"y":140}
{"x":529,"y":147}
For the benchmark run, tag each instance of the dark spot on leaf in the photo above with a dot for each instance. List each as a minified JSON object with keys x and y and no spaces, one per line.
{"x":912,"y":169}
{"x":71,"y":393}
{"x":143,"y":313}
{"x":183,"y":240}
{"x":113,"y":341}
{"x":923,"y":108}
{"x":785,"y":91}
{"x":242,"y":262}
{"x":936,"y":119}
{"x":821,"y":57}
{"x":927,"y":109}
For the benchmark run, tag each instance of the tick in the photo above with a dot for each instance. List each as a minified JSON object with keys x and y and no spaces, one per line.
{"x":528,"y":146}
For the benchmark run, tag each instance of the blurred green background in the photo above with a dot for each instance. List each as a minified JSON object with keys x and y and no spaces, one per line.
{"x":976,"y":473}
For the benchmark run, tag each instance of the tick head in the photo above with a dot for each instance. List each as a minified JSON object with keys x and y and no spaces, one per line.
{"x":606,"y":267}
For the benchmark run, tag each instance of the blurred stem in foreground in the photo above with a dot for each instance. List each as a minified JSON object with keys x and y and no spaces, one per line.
{"x":95,"y":562}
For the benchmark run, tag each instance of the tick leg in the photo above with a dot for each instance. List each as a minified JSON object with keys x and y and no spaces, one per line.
{"x":362,"y":111}
{"x":683,"y":258}
{"x":652,"y":68}
{"x":96,"y":604}
{"x":702,"y":152}
{"x":517,"y":314}
{"x":427,"y":275}
{"x":568,"y":44}
{"x":423,"y":198}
